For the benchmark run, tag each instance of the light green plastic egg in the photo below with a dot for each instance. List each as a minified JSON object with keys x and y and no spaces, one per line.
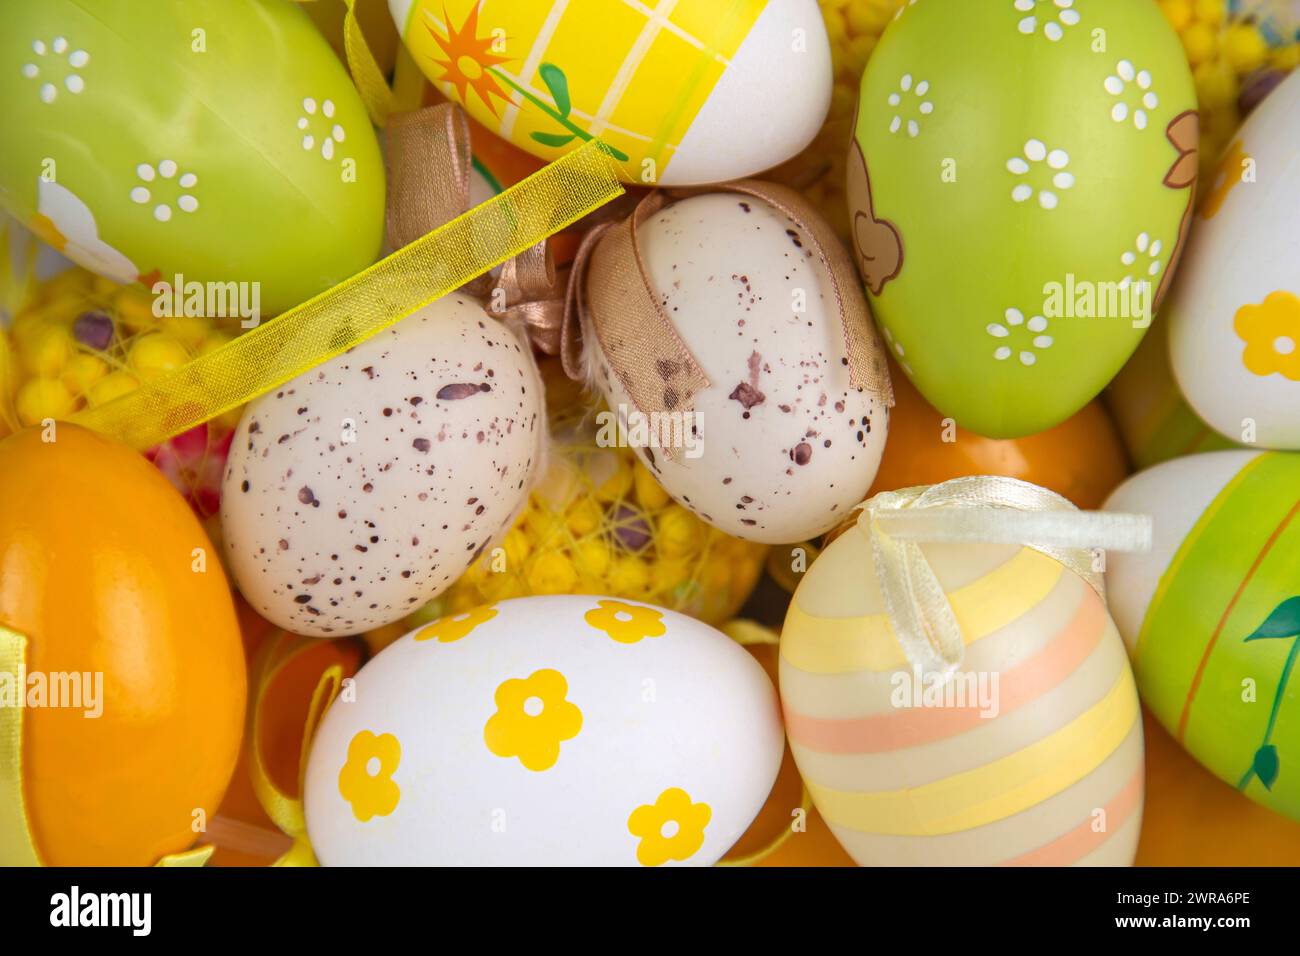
{"x":1020,"y":187}
{"x":218,"y":139}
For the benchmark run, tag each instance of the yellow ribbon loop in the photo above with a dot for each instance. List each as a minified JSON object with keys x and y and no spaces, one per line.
{"x":371,"y":84}
{"x":17,"y":848}
{"x":349,"y":313}
{"x":988,"y":510}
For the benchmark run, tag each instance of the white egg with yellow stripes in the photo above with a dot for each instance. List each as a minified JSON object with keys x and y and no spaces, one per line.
{"x":546,"y":731}
{"x":1030,"y":753}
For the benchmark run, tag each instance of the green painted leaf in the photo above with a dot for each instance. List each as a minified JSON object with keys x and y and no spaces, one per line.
{"x":558,"y":84}
{"x":1283,"y":622}
{"x":552,"y":139}
{"x":1266,"y":765}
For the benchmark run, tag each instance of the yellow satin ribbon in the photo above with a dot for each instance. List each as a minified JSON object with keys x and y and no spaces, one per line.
{"x":17,"y":846}
{"x":340,"y":318}
{"x":987,"y":510}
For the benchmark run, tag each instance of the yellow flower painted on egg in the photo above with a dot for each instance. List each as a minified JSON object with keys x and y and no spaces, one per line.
{"x":1226,"y":178}
{"x":366,"y":780}
{"x":533,"y":718}
{"x":672,"y":828}
{"x":1271,"y":332}
{"x":453,"y":627}
{"x":626,"y":623}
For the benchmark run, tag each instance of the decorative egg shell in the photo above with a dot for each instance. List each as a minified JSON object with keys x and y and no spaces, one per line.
{"x":700,"y":95}
{"x":784,"y":446}
{"x":219,"y":139}
{"x":546,"y":731}
{"x":122,"y":601}
{"x":1080,"y":459}
{"x":1234,"y":316}
{"x":998,"y":156}
{"x":364,"y":487}
{"x":1211,"y":614}
{"x":1034,"y":759}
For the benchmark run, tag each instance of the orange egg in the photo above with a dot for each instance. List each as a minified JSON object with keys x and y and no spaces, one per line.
{"x":1192,"y":818}
{"x":1081,"y":459}
{"x":107,"y":572}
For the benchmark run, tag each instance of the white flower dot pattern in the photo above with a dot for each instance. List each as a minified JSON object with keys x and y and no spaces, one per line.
{"x":1044,"y":173}
{"x":910,"y":95}
{"x":55,"y":64}
{"x":1052,"y":15}
{"x":157,"y":180}
{"x":1144,"y":260}
{"x":1019,"y":335}
{"x":1129,"y":83}
{"x":330,"y":138}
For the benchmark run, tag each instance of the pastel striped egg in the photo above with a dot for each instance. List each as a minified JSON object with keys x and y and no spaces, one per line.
{"x":1030,"y":754}
{"x":1211,"y":614}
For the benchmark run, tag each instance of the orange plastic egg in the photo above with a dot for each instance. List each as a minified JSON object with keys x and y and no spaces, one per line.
{"x":1082,"y":458}
{"x":108,"y":574}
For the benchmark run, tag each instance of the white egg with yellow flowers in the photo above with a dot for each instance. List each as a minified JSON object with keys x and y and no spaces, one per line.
{"x":690,"y":92}
{"x":1028,"y":753}
{"x":546,"y":731}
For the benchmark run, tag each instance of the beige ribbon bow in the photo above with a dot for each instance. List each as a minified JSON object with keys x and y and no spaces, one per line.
{"x":987,"y":510}
{"x":610,"y":295}
{"x":428,"y":162}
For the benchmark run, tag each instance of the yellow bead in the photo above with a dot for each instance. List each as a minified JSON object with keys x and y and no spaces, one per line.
{"x":1244,"y":48}
{"x":111,"y":386}
{"x":155,"y":354}
{"x":501,"y":587}
{"x":628,"y":576}
{"x":669,"y":573}
{"x":215,"y":339}
{"x":545,"y":528}
{"x":1216,"y":85}
{"x":46,"y":350}
{"x":189,"y":330}
{"x":649,"y":492}
{"x":592,"y":557}
{"x":585,"y":516}
{"x":135,"y":310}
{"x":516,"y":548}
{"x":1287,"y":58}
{"x":677,"y":532}
{"x":82,"y":370}
{"x":1211,"y":12}
{"x":1178,"y":13}
{"x":716,"y":575}
{"x":551,"y":573}
{"x":1199,"y":42}
{"x":42,"y":398}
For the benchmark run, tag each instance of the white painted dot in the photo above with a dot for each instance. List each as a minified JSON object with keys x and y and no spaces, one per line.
{"x":337,"y":133}
{"x":1144,"y":79}
{"x":1126,"y":71}
{"x":373,"y":766}
{"x":1053,"y":32}
{"x":1125,"y":282}
{"x":74,"y":83}
{"x":309,"y":105}
{"x":1058,"y":159}
{"x":534,"y":706}
{"x":162,"y":212}
{"x":188,"y":181}
{"x":1114,"y":85}
{"x":79,"y":58}
{"x":623,"y":616}
{"x":48,"y":92}
{"x":906,"y":82}
{"x":1022,"y":192}
{"x":1140,"y":119}
{"x":167,"y":169}
{"x":1284,"y":345}
{"x":1036,"y":150}
{"x":894,"y":99}
{"x":913,"y":130}
{"x":60,"y":45}
{"x":187,"y":203}
{"x":1155,"y":268}
{"x":927,"y":108}
{"x":1024,"y":6}
{"x":1150,"y":101}
{"x":1043,"y":342}
{"x":1028,"y":358}
{"x":1028,"y":25}
{"x":1070,"y":17}
{"x":302,"y":122}
{"x":328,"y":108}
{"x":896,"y":124}
{"x":1002,"y":354}
{"x":1047,"y":199}
{"x":1143,"y":242}
{"x":1128,"y":258}
{"x":1017,"y":166}
{"x":922,"y":88}
{"x":140,"y":195}
{"x":1063,"y":180}
{"x":1037,"y":324}
{"x":997,"y":330}
{"x":145,"y":172}
{"x":1156,"y":247}
{"x":1014,"y":316}
{"x":38,"y":47}
{"x":1119,"y":112}
{"x":308,"y":142}
{"x":670,"y":829}
{"x":327,"y":149}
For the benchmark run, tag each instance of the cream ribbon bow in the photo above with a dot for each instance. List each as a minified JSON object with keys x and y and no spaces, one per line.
{"x":986,"y":510}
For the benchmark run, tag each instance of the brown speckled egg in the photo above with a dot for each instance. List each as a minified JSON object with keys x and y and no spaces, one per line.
{"x":364,"y":487}
{"x":783,"y":445}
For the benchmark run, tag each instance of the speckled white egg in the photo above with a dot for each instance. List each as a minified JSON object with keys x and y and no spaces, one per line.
{"x":557,"y":730}
{"x":784,"y":446}
{"x":364,"y":487}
